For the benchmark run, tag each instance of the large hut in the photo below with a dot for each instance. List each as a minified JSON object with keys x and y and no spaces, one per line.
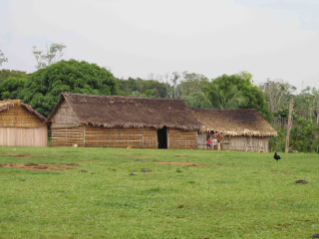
{"x":242,"y":129}
{"x":20,"y":125}
{"x":122,"y":121}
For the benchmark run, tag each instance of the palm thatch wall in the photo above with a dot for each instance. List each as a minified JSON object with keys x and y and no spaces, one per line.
{"x":121,"y":121}
{"x":243,"y":129}
{"x":20,"y":125}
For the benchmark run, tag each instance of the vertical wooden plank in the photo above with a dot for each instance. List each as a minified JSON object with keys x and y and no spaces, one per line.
{"x":168,"y":138}
{"x":84,"y":131}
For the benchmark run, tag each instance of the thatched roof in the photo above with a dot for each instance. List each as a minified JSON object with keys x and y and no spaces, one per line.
{"x":8,"y":104}
{"x":245,"y":122}
{"x":128,"y":111}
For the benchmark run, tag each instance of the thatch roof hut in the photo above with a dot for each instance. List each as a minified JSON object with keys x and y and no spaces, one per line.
{"x":122,"y":121}
{"x":244,"y":129}
{"x":20,"y":125}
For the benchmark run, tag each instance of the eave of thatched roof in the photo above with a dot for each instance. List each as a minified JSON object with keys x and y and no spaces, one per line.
{"x":8,"y":104}
{"x":244,"y":122}
{"x":129,"y":112}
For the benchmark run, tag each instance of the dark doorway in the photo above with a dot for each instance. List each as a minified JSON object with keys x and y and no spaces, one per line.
{"x":162,"y":138}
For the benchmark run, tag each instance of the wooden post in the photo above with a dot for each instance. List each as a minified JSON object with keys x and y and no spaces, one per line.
{"x":289,"y":125}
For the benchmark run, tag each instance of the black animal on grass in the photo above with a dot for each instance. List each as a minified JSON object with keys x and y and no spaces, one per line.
{"x":276,"y":156}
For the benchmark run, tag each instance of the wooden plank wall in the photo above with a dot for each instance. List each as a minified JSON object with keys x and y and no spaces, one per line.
{"x":180,"y":139}
{"x":254,"y":144}
{"x":105,"y":137}
{"x":66,"y":137}
{"x":26,"y":137}
{"x":121,"y":138}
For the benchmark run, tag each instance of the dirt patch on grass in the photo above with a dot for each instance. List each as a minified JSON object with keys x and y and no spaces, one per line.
{"x":301,"y":181}
{"x":180,"y":163}
{"x":37,"y":167}
{"x":27,"y":156}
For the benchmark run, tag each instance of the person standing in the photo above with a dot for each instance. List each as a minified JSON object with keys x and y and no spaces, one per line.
{"x":208,"y":143}
{"x":215,"y":142}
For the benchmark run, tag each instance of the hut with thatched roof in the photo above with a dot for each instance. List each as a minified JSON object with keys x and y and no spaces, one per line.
{"x":20,"y":125}
{"x":243,"y":129}
{"x":122,"y":121}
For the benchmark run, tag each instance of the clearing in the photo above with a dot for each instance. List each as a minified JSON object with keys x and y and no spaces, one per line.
{"x":133,"y":193}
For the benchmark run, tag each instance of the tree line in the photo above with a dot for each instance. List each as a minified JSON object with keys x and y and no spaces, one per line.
{"x":41,"y":89}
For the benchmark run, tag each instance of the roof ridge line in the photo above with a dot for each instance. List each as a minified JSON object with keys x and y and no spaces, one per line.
{"x":222,"y":109}
{"x":121,"y":96}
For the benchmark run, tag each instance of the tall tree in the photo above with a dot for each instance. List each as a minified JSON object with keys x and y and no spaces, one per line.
{"x":5,"y":74}
{"x":11,"y":87}
{"x":139,"y":87}
{"x":43,"y":88}
{"x":255,"y":97}
{"x":191,"y":83}
{"x":277,"y":93}
{"x":52,"y":55}
{"x":214,"y":97}
{"x":3,"y":59}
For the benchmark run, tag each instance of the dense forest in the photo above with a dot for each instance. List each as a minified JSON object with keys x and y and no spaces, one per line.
{"x":41,"y":89}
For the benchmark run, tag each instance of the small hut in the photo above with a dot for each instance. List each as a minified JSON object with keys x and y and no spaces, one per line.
{"x":123,"y":122}
{"x":20,"y":125}
{"x":242,"y":129}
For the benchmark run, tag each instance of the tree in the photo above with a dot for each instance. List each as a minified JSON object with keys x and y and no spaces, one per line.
{"x":52,"y":55}
{"x":192,"y":83}
{"x":229,"y":98}
{"x":3,"y":59}
{"x":255,"y":97}
{"x":149,"y":93}
{"x":302,"y":136}
{"x":127,"y":87}
{"x":5,"y":74}
{"x":277,"y":93}
{"x":43,"y":88}
{"x":172,"y":90}
{"x":11,"y":87}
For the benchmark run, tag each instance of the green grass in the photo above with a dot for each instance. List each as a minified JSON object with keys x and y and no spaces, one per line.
{"x":236,"y":195}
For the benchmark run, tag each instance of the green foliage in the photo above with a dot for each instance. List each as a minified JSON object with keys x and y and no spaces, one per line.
{"x":192,"y":83}
{"x":302,"y":137}
{"x":213,"y":97}
{"x":3,"y":58}
{"x":198,"y":100}
{"x":52,"y":55}
{"x":43,"y":88}
{"x":255,"y":97}
{"x":149,"y":93}
{"x":5,"y":74}
{"x":11,"y":87}
{"x":228,"y":98}
{"x":146,"y":88}
{"x":278,"y":143}
{"x":191,"y":90}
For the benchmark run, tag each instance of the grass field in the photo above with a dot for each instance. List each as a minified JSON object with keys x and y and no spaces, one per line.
{"x":232,"y":195}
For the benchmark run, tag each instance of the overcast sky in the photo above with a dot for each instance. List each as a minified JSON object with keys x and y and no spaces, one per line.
{"x":277,"y":39}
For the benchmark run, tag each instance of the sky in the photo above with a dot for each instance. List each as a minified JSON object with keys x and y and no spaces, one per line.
{"x":275,"y":39}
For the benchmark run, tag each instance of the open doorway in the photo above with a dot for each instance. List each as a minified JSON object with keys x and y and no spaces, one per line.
{"x":162,"y":138}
